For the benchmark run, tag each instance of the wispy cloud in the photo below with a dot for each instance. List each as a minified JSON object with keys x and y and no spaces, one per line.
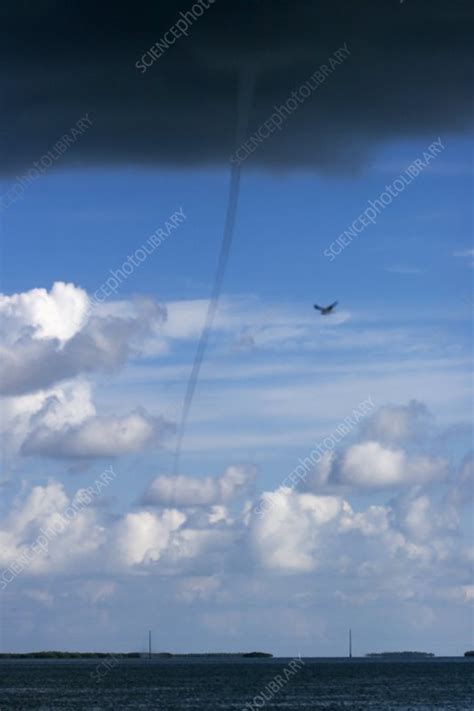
{"x":400,"y":269}
{"x":467,"y":254}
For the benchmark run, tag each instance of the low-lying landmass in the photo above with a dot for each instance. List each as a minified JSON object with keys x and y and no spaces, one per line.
{"x":401,"y":655}
{"x":130,"y":655}
{"x":68,"y":655}
{"x":237,"y":655}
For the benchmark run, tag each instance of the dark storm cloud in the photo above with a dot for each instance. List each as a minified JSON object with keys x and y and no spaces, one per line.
{"x":407,"y":75}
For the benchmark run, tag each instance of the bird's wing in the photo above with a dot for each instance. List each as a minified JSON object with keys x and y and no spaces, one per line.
{"x":332,"y":305}
{"x":317,"y":307}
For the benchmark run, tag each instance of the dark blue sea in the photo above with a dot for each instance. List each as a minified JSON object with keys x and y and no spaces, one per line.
{"x":96,"y":685}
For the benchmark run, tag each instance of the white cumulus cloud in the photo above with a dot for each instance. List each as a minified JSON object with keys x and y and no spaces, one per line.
{"x":50,"y":337}
{"x":98,"y":436}
{"x":192,"y":491}
{"x":371,"y":465}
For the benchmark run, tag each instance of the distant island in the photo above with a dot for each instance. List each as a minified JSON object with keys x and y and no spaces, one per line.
{"x":132,"y":655}
{"x":401,"y":655}
{"x":257,"y":655}
{"x":68,"y":655}
{"x":470,"y":653}
{"x":206,"y":655}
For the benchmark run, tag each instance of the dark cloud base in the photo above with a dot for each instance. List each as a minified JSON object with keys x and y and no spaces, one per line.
{"x":408,"y":76}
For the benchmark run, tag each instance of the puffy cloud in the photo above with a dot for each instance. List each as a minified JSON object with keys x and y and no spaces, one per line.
{"x":52,"y":338}
{"x":398,"y":423}
{"x":324,"y":550}
{"x":187,"y":491}
{"x":190,"y":491}
{"x":59,"y":313}
{"x":142,"y":537}
{"x":300,"y":534}
{"x":288,"y":537}
{"x":354,"y":554}
{"x":33,"y":364}
{"x":235,"y":480}
{"x":75,"y":532}
{"x":168,"y":542}
{"x":98,"y":436}
{"x":67,"y":528}
{"x":49,"y":341}
{"x":68,"y":404}
{"x":219,"y":514}
{"x":388,"y":453}
{"x":420,"y":519}
{"x":63,"y":423}
{"x":371,"y":465}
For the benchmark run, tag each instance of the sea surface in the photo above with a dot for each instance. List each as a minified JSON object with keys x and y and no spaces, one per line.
{"x":333,"y":684}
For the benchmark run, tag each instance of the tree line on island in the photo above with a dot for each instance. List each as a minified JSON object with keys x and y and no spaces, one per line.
{"x":127,"y":655}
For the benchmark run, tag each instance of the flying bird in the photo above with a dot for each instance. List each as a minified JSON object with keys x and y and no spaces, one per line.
{"x":325,"y":310}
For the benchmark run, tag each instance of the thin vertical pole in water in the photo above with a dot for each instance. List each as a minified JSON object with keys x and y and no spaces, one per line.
{"x":149,"y":644}
{"x":350,"y":644}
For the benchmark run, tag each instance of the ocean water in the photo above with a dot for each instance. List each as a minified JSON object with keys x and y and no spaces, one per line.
{"x":54,"y":685}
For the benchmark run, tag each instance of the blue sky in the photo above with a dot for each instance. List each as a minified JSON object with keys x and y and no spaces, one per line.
{"x":277,"y":378}
{"x":285,"y":221}
{"x":326,"y":475}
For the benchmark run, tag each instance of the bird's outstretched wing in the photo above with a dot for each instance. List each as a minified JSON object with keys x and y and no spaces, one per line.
{"x":332,"y":305}
{"x":317,"y":307}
